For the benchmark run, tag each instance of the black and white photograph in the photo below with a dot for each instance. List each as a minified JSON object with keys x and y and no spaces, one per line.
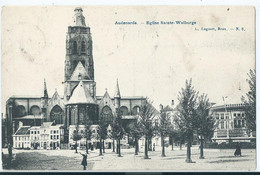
{"x":128,"y":88}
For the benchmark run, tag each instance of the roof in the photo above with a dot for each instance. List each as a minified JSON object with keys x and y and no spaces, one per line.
{"x":26,"y":96}
{"x":30,"y":117}
{"x":23,"y":130}
{"x":126,"y":98}
{"x":127,"y":117}
{"x":81,"y":95}
{"x":79,"y":70}
{"x":46,"y":124}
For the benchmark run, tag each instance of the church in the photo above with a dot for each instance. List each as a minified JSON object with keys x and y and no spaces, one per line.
{"x":79,"y":104}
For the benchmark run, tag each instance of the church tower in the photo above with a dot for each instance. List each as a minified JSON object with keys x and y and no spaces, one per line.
{"x":79,"y":65}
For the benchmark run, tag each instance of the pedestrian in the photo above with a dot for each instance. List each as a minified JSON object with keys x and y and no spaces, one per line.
{"x":238,"y":150}
{"x":84,"y":160}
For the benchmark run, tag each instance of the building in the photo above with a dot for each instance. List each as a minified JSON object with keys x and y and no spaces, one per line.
{"x":231,"y":124}
{"x":21,"y":138}
{"x":79,"y":103}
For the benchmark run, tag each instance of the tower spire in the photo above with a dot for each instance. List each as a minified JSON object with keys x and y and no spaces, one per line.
{"x":117,"y":93}
{"x":79,"y":19}
{"x":45,"y":89}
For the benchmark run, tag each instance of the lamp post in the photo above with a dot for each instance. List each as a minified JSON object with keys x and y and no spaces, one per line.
{"x":225,"y":116}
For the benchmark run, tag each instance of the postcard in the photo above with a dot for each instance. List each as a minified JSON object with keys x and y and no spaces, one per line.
{"x":128,"y":88}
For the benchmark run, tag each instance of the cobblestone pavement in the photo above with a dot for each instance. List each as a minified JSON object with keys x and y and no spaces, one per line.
{"x":215,"y":159}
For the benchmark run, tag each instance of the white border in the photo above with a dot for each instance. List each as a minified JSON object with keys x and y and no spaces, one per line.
{"x":254,"y":3}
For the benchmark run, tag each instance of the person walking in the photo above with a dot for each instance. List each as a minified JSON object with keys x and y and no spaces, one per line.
{"x":84,"y":161}
{"x":238,"y":150}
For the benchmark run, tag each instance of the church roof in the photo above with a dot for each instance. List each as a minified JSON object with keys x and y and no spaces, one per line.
{"x":79,"y":71}
{"x":81,"y":95}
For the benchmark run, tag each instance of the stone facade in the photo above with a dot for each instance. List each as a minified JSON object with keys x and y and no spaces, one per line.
{"x":79,"y":77}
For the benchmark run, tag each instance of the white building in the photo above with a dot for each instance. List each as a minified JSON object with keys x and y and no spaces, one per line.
{"x":21,"y":138}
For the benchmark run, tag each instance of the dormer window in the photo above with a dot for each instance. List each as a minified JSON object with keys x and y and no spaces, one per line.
{"x":79,"y":77}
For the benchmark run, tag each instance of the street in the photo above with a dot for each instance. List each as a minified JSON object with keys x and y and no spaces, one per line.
{"x":215,"y":159}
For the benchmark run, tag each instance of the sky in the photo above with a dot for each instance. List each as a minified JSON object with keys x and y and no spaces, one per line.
{"x":148,"y":60}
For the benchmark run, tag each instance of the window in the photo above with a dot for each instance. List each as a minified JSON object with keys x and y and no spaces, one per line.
{"x":57,"y":131}
{"x":51,"y":137}
{"x":238,"y":114}
{"x":222,"y":116}
{"x":243,"y":114}
{"x":54,"y":132}
{"x":38,"y":132}
{"x":83,"y":47}
{"x":243,"y":123}
{"x":34,"y":132}
{"x":235,"y":114}
{"x":227,"y":115}
{"x":74,"y":49}
{"x":222,"y":125}
{"x":217,"y":116}
{"x":57,"y":137}
{"x":31,"y":132}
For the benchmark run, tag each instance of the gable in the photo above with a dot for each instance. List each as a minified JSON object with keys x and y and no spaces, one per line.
{"x":79,"y":70}
{"x":106,"y":101}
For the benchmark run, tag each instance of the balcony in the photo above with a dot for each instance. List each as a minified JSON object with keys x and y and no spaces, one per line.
{"x":239,"y":132}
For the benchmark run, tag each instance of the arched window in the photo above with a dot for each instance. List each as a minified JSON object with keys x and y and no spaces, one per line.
{"x":136,"y":110}
{"x":35,"y":110}
{"x":74,"y":48}
{"x":57,"y":114}
{"x":124,"y":110}
{"x":83,"y":47}
{"x":20,"y":111}
{"x":106,"y":114}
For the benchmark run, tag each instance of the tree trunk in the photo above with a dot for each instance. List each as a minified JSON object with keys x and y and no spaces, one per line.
{"x":180,"y":146}
{"x":117,"y":146}
{"x":86,"y":145}
{"x":201,"y":149}
{"x":104,"y":146}
{"x":188,"y":159}
{"x":136,"y":146}
{"x":163,"y":148}
{"x":113,"y":145}
{"x":76,"y":150}
{"x":100,"y":147}
{"x":172,"y":145}
{"x":119,"y":151}
{"x":146,"y":149}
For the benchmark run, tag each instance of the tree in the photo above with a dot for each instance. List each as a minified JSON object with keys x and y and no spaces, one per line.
{"x":147,"y":113}
{"x":87,"y":135}
{"x":164,"y":128}
{"x":205,"y":121}
{"x":173,"y":135}
{"x":76,"y":136}
{"x":250,"y":101}
{"x":135,"y":131}
{"x":119,"y":130}
{"x":102,"y":134}
{"x":187,"y":114}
